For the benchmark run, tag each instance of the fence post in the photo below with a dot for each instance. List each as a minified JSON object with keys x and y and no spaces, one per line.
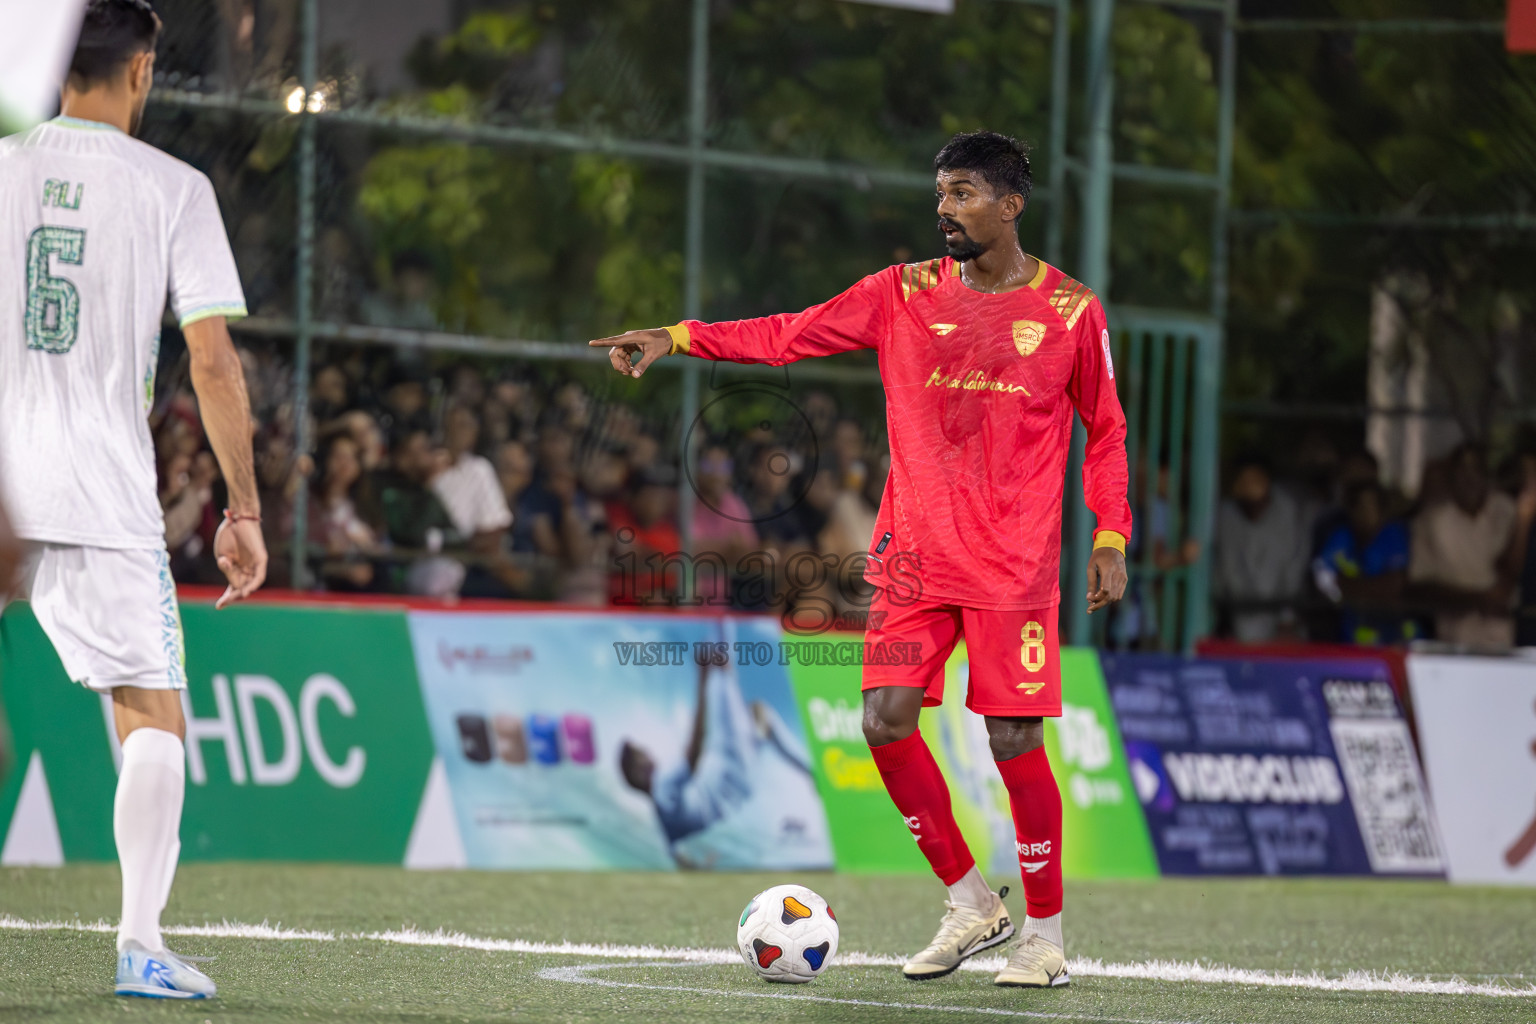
{"x":303,"y":313}
{"x":693,"y":254}
{"x":1178,"y":400}
{"x":1098,"y":185}
{"x":1061,"y":84}
{"x":1202,"y":483}
{"x":1205,"y":438}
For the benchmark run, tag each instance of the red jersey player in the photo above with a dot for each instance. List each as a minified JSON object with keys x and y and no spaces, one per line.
{"x":984,"y":355}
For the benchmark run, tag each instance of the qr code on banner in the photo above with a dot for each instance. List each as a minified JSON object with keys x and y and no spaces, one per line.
{"x":1387,"y":790}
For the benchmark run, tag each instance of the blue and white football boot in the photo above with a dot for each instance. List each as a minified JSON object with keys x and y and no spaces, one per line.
{"x":162,"y":975}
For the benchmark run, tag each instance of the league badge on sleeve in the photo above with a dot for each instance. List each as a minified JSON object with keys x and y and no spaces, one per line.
{"x":1109,"y":360}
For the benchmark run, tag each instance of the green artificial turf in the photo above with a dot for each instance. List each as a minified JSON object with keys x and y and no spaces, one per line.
{"x":1330,"y":926}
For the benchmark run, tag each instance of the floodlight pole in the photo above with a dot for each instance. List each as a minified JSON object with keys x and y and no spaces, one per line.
{"x":693,"y":255}
{"x":303,"y":314}
{"x":1093,"y":267}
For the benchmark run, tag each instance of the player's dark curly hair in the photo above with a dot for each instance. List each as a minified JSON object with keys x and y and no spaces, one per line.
{"x":1001,"y":160}
{"x":113,"y":33}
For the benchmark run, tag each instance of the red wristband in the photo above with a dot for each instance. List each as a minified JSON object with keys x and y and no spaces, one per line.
{"x":236,"y":517}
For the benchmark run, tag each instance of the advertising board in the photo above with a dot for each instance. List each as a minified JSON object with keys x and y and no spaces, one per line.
{"x":1477,"y":724}
{"x":1273,"y":767}
{"x":1103,"y":832}
{"x":601,"y":741}
{"x":305,"y":740}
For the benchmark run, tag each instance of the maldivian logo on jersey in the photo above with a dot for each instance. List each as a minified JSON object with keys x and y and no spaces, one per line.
{"x":1027,"y":336}
{"x":971,"y":380}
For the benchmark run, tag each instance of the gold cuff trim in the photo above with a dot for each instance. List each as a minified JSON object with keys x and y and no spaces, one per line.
{"x":1109,"y":539}
{"x":681,"y":341}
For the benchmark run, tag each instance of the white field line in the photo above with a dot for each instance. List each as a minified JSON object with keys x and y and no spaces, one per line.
{"x":1173,"y":971}
{"x":581,"y":975}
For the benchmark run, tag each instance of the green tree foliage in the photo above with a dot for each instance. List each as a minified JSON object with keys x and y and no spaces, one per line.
{"x":1383,"y":125}
{"x":549,"y":244}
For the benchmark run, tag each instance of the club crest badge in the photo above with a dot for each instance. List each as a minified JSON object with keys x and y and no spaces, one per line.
{"x":1027,"y":336}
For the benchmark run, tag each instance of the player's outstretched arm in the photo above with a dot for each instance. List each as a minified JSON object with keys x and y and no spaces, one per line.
{"x":651,"y":345}
{"x":858,"y":318}
{"x":219,"y":381}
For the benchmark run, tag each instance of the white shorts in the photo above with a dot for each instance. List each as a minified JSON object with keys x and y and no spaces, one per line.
{"x":111,"y":614}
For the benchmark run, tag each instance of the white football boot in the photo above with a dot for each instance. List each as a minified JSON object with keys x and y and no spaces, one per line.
{"x":162,"y":975}
{"x":1036,"y":962}
{"x":963,"y":933}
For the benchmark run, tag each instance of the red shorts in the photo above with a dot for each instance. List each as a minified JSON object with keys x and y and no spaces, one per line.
{"x":1015,"y":662}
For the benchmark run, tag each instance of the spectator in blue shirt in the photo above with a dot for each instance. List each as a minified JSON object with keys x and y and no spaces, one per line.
{"x":1364,"y":562}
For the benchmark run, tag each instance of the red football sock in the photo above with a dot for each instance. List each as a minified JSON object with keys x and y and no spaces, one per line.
{"x":1036,"y":804}
{"x":913,"y":779}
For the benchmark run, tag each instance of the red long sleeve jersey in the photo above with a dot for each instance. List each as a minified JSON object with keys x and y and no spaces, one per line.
{"x":979,"y":391}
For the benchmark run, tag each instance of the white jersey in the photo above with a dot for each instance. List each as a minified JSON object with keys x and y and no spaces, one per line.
{"x":96,"y":229}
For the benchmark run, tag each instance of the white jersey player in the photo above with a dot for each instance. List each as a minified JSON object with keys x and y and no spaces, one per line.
{"x":96,"y":230}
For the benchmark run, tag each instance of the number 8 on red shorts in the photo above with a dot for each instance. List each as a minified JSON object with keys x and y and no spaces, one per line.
{"x":1015,"y":660}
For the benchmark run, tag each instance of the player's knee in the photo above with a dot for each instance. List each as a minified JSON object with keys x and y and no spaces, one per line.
{"x":1013,"y":737}
{"x":148,"y":709}
{"x":888,"y":718}
{"x":878,"y":731}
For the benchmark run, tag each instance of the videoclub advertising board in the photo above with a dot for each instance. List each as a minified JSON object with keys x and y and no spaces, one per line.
{"x":1273,"y":767}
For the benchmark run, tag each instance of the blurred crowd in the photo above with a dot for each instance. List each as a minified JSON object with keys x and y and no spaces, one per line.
{"x":452,"y":481}
{"x":1338,"y":555}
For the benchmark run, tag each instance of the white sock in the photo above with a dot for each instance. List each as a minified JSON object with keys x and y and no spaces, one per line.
{"x":1046,"y":928}
{"x":972,"y":891}
{"x":146,"y":820}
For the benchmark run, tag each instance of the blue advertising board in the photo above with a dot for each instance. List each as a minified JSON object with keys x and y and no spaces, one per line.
{"x":1273,"y":767}
{"x":592,"y":741}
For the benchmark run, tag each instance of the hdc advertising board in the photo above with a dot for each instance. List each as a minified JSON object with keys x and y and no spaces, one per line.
{"x":305,"y":740}
{"x":1273,"y":767}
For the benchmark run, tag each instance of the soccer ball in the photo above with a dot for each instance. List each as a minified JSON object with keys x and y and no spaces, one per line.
{"x":787,"y":934}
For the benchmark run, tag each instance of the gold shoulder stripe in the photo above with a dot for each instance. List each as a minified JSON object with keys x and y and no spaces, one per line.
{"x":919,"y":277}
{"x":1070,"y":299}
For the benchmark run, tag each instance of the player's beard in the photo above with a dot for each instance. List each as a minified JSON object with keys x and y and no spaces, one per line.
{"x":963,"y":247}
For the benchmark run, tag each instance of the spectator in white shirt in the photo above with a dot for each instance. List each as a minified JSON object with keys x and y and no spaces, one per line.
{"x":1466,"y":556}
{"x":468,"y":488}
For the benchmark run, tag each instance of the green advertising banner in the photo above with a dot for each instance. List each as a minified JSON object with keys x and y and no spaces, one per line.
{"x":306,"y":739}
{"x":1104,"y":833}
{"x":868,"y":834}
